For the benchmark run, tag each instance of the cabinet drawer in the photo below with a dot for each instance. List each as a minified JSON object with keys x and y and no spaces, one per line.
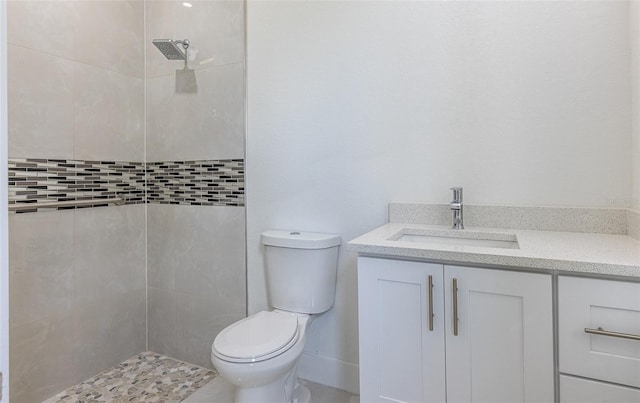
{"x":613,"y":306}
{"x":577,"y":390}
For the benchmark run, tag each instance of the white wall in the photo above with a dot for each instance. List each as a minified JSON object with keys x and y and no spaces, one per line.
{"x":4,"y":239}
{"x":635,"y":96}
{"x":354,"y":104}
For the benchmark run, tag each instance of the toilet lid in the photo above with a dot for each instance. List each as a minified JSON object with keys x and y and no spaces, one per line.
{"x":257,"y":338}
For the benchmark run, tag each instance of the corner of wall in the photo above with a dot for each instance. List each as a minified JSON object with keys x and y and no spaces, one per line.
{"x":4,"y":239}
{"x":634,"y":33}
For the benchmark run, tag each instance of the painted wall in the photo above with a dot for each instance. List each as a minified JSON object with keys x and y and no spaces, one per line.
{"x":75,"y":91}
{"x":196,"y":254}
{"x":354,"y":104}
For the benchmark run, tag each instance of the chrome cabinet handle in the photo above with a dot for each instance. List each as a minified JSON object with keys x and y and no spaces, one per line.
{"x":601,"y":332}
{"x":430,"y":286}
{"x":454,"y":292}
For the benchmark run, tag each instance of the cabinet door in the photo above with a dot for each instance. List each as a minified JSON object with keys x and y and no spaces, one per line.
{"x":401,"y":358}
{"x":503,"y":350}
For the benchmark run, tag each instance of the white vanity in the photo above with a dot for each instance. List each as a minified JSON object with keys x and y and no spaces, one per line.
{"x":540,"y":316}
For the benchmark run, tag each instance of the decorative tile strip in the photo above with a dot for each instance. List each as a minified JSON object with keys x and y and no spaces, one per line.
{"x":204,"y":182}
{"x":208,"y":183}
{"x":34,"y":181}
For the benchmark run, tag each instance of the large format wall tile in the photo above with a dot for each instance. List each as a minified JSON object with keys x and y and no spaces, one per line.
{"x":41,"y":25}
{"x":41,"y":358}
{"x":165,"y":248}
{"x":108,"y":331}
{"x":197,"y":250}
{"x":109,"y":252}
{"x":109,"y":34}
{"x":109,"y":287}
{"x":162,"y":321}
{"x":199,"y":320}
{"x":40,"y":266}
{"x":215,"y":29}
{"x":206,"y":125}
{"x":159,"y":24}
{"x":197,"y":273}
{"x":216,"y":270}
{"x":109,"y":115}
{"x":219,"y":39}
{"x":40,"y":104}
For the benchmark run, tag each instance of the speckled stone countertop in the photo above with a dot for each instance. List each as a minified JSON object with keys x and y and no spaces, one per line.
{"x":595,"y":253}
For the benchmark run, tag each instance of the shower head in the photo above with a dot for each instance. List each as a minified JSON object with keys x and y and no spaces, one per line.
{"x":170,"y":48}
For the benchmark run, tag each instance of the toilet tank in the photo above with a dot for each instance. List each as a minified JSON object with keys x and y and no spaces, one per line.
{"x":301,"y":269}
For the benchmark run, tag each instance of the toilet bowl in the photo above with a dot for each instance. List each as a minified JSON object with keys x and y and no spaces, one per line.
{"x":259,"y":356}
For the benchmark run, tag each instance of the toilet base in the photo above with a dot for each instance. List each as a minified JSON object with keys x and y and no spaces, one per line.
{"x":286,"y":389}
{"x":301,"y":394}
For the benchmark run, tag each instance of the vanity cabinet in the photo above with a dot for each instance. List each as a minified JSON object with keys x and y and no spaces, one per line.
{"x":402,"y":353}
{"x":599,"y":338}
{"x":499,"y":348}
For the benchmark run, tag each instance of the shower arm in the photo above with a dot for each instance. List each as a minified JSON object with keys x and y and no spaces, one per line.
{"x":185,"y":43}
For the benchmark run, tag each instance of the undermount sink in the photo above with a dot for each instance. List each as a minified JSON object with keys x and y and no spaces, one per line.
{"x":457,"y":237}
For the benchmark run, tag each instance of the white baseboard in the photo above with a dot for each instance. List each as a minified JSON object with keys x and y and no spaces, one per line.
{"x":330,"y":372}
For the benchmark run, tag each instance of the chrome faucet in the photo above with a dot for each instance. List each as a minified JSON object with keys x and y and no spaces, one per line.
{"x":456,"y":206}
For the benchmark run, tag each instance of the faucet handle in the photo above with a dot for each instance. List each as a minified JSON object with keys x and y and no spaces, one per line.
{"x":457,"y":194}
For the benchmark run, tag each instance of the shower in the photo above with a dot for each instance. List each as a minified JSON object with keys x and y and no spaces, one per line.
{"x":81,"y":302}
{"x":185,"y":78}
{"x":170,"y":49}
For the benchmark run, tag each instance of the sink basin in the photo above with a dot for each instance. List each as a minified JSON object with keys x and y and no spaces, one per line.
{"x":458,"y":238}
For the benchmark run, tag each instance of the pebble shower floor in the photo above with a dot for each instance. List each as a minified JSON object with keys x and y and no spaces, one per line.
{"x":147,"y":377}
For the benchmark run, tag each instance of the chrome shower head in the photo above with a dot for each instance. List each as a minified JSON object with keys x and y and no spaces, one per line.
{"x":170,"y":48}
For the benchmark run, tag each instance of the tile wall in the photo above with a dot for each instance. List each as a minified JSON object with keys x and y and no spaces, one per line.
{"x":196,"y":255}
{"x":78,"y":125}
{"x":196,"y":277}
{"x":77,"y":278}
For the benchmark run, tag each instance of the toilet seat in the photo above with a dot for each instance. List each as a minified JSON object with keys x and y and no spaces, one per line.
{"x":257,"y":338}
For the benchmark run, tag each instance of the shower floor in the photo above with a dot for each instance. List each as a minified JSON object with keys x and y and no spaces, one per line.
{"x":147,"y":377}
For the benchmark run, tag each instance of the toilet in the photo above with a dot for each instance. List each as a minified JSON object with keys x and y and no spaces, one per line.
{"x":259,"y":354}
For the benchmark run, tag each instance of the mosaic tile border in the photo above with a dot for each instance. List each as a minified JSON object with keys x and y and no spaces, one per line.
{"x":34,"y":181}
{"x":204,"y":182}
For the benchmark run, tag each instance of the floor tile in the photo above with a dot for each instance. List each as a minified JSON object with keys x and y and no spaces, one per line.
{"x":147,"y":377}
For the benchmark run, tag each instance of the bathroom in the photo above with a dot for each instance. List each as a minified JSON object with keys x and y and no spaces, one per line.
{"x":334,"y":110}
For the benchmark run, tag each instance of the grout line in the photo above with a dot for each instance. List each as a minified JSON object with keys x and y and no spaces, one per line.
{"x":146,"y":178}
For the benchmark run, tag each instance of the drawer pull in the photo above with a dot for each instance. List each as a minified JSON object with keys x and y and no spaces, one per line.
{"x":601,"y":332}
{"x":430,"y":318}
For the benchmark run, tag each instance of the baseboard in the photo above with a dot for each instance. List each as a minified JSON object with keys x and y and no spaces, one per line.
{"x":329,"y":371}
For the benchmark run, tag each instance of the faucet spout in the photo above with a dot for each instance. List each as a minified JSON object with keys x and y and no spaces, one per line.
{"x":456,"y":207}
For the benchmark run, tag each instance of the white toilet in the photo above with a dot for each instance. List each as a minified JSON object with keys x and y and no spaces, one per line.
{"x":259,"y":354}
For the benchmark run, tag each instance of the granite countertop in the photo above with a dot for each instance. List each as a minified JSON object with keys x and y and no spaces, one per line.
{"x":604,"y":254}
